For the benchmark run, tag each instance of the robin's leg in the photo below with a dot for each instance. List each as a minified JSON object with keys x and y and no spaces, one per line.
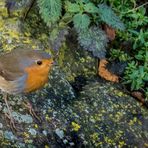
{"x":28,"y":105}
{"x":9,"y":115}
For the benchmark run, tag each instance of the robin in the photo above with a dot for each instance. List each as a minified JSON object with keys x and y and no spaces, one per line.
{"x":23,"y":71}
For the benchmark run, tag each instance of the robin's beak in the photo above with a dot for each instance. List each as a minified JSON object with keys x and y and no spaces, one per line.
{"x":51,"y":62}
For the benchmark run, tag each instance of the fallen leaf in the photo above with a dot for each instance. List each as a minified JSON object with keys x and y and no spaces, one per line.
{"x":111,"y":33}
{"x":104,"y":73}
{"x":139,"y":96}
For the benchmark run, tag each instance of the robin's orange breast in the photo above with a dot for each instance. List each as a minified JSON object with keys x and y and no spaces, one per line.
{"x":37,"y":76}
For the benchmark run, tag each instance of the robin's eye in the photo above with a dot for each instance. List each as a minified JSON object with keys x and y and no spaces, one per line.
{"x":39,"y":62}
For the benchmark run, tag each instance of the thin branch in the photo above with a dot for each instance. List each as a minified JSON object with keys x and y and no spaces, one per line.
{"x":31,"y":5}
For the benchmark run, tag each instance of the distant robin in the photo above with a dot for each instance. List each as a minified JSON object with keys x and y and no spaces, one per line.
{"x":23,"y":71}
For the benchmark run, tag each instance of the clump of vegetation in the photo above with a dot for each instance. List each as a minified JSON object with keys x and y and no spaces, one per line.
{"x":136,"y":54}
{"x":88,"y":18}
{"x":85,"y":16}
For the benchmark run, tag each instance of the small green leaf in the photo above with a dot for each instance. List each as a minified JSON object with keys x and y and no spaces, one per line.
{"x":109,"y":17}
{"x":133,"y":85}
{"x":84,"y":1}
{"x":141,"y":71}
{"x":94,"y":40}
{"x":139,"y":57}
{"x":90,"y":8}
{"x":50,"y":10}
{"x":146,"y":78}
{"x":72,"y":7}
{"x":81,"y":21}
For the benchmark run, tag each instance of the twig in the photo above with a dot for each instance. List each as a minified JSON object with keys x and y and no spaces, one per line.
{"x":31,"y":5}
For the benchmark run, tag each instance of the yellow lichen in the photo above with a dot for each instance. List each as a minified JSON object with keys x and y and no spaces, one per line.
{"x":48,"y":50}
{"x":132,"y":122}
{"x":121,"y":144}
{"x":118,"y":116}
{"x":146,"y":145}
{"x":28,"y":34}
{"x":108,"y":140}
{"x":46,"y":146}
{"x":36,"y":126}
{"x":75,"y":126}
{"x":27,"y":41}
{"x":1,"y":24}
{"x":47,"y":118}
{"x":17,"y":13}
{"x":34,"y":47}
{"x":97,"y":117}
{"x":43,"y":37}
{"x":14,"y":34}
{"x":95,"y":139}
{"x":3,"y":9}
{"x":8,"y":47}
{"x":26,"y":135}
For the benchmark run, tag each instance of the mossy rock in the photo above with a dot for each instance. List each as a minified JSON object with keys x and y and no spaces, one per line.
{"x":101,"y":116}
{"x":96,"y":114}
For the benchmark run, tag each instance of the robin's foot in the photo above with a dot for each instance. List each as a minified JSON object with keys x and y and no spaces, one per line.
{"x":12,"y":123}
{"x":31,"y":110}
{"x":9,"y":114}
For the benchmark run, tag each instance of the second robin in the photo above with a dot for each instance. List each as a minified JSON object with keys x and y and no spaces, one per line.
{"x":23,"y":71}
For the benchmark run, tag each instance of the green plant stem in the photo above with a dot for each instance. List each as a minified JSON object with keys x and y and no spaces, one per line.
{"x":135,"y":8}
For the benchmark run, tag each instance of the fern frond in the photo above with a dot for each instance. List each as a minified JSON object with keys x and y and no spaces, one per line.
{"x":50,"y":10}
{"x":109,"y":17}
{"x":94,"y":40}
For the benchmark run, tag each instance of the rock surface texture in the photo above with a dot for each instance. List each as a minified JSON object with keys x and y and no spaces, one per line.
{"x":76,"y":108}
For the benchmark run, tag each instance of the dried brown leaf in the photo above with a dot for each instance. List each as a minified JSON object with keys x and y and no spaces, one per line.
{"x":111,"y":33}
{"x":104,"y":73}
{"x":139,"y":96}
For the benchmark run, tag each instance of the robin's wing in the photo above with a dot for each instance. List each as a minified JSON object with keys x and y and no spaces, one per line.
{"x":12,"y":78}
{"x":10,"y":75}
{"x":9,"y":67}
{"x":13,"y":87}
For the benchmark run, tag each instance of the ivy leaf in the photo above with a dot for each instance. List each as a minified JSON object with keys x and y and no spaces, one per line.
{"x":50,"y":10}
{"x":109,"y":17}
{"x":94,"y":40}
{"x":72,"y":7}
{"x":90,"y":8}
{"x":81,"y":21}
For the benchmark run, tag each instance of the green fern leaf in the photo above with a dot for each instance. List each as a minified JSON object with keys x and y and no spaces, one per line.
{"x":81,"y":21}
{"x":94,"y":40}
{"x":50,"y":10}
{"x":109,"y":17}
